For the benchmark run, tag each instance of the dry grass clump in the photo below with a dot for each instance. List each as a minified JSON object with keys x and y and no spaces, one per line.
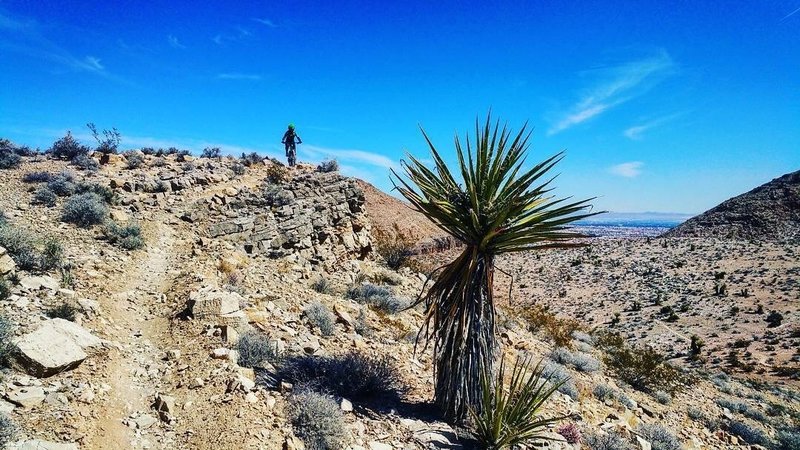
{"x":560,"y":330}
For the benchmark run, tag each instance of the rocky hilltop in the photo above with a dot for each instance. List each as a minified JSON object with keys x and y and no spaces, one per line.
{"x":770,"y":212}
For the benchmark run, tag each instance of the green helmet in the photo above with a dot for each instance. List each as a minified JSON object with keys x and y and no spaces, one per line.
{"x":291,"y":126}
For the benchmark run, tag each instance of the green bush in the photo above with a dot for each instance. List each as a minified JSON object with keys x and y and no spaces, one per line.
{"x":62,"y":184}
{"x":642,"y":367}
{"x":63,"y":310}
{"x":128,"y":236}
{"x":37,"y":177}
{"x":355,"y":376}
{"x":788,"y":440}
{"x":28,"y":251}
{"x":84,"y":162}
{"x":85,"y":210}
{"x":321,"y":317}
{"x":378,"y":297}
{"x":322,"y":285}
{"x":6,"y":341}
{"x":44,"y":196}
{"x":68,"y":148}
{"x":255,"y":349}
{"x":658,"y":436}
{"x":749,"y":434}
{"x":109,"y":142}
{"x":317,"y":420}
{"x":105,"y":192}
{"x":609,"y":441}
{"x":9,"y":159}
{"x":7,"y":430}
{"x":511,"y":417}
{"x":211,"y":152}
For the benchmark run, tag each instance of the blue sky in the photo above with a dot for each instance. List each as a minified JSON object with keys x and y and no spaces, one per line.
{"x":661,"y":106}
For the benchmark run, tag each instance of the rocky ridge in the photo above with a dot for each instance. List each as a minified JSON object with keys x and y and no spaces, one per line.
{"x":770,"y":212}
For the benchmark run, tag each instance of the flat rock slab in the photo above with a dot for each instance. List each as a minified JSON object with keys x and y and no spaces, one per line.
{"x":34,"y":283}
{"x":36,"y":444}
{"x":26,"y":396}
{"x":56,"y":346}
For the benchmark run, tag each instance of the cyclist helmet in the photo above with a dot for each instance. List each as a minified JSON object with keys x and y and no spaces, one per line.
{"x":291,"y":126}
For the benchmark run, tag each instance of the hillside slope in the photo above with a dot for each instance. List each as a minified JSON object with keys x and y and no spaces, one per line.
{"x":769,"y":212}
{"x":385,"y":211}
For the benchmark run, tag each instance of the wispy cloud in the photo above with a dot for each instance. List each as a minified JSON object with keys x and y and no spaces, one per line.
{"x":636,"y":132}
{"x":174,"y":42}
{"x":239,"y":76}
{"x":790,"y":14}
{"x":25,"y":37}
{"x":239,"y":33}
{"x":613,"y":86}
{"x":266,"y":22}
{"x":346,"y":155}
{"x":628,"y":169}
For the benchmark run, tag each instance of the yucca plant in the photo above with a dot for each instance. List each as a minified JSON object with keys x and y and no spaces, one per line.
{"x":509,"y":417}
{"x":500,"y":208}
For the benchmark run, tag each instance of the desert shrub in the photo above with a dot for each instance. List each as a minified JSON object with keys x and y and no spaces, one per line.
{"x":128,"y":236}
{"x":321,"y":317}
{"x":159,"y":162}
{"x":5,"y":288}
{"x":557,"y":374}
{"x":52,"y":254}
{"x":44,"y":196}
{"x":774,"y":319}
{"x":238,"y":169}
{"x":625,"y":400}
{"x":355,"y":376}
{"x":7,"y":430}
{"x":28,"y":251}
{"x":255,"y":349}
{"x":580,"y":336}
{"x":105,"y":192}
{"x":604,"y":392}
{"x":787,"y":440}
{"x":251,"y":159}
{"x":37,"y":177}
{"x":85,"y":210}
{"x":181,"y":155}
{"x":570,"y":432}
{"x":658,"y":436}
{"x":317,"y":420}
{"x":662,"y":397}
{"x":362,"y":326}
{"x":508,"y":418}
{"x":750,"y":434}
{"x":698,"y":415}
{"x":134,"y":160}
{"x":737,"y":407}
{"x":108,"y":142}
{"x":322,"y":285}
{"x":277,"y":173}
{"x":6,"y":340}
{"x":642,"y":367}
{"x":63,"y":310}
{"x":377,"y":297}
{"x":211,"y":152}
{"x":560,"y":330}
{"x":67,"y":148}
{"x":9,"y":159}
{"x":62,"y":184}
{"x":396,"y":247}
{"x":329,"y":165}
{"x":608,"y":441}
{"x":584,"y":363}
{"x":84,"y":162}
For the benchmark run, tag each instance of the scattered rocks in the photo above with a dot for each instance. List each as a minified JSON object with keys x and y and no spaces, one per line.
{"x":56,"y":346}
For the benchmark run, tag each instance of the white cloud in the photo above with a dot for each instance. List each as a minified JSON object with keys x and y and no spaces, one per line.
{"x":266,"y":22}
{"x":93,"y":63}
{"x":636,"y":132}
{"x":174,"y":42}
{"x":615,"y":85}
{"x":352,"y":156}
{"x":628,"y":170}
{"x":239,"y":76}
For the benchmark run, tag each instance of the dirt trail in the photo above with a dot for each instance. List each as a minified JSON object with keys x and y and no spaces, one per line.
{"x":138,"y":328}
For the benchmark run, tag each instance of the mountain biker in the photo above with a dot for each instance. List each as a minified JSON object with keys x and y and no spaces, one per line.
{"x":289,"y":141}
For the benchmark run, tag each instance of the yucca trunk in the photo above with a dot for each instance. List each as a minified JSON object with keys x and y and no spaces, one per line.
{"x":463,"y":319}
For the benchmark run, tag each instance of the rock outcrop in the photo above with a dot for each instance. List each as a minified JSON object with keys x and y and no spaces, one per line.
{"x":770,"y":212}
{"x":56,"y":346}
{"x":317,"y":218}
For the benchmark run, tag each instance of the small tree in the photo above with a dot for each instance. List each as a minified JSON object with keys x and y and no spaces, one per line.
{"x":499,"y":208}
{"x":110,"y":140}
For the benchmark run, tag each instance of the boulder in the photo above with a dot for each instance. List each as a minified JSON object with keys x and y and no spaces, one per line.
{"x":56,"y":346}
{"x":34,"y":283}
{"x":26,"y":396}
{"x":211,"y":302}
{"x":7,"y":265}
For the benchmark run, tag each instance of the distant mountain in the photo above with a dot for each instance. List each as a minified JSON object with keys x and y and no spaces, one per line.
{"x":624,"y":218}
{"x":769,"y":212}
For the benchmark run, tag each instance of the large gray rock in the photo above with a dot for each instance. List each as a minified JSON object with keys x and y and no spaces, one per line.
{"x":56,"y":346}
{"x":34,"y":283}
{"x":37,"y":444}
{"x":209,"y":301}
{"x":7,"y":265}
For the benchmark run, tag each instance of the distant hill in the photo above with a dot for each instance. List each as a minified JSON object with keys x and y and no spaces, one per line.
{"x":769,"y":212}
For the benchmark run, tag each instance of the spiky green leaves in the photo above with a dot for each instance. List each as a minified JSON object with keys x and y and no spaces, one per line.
{"x":499,"y":207}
